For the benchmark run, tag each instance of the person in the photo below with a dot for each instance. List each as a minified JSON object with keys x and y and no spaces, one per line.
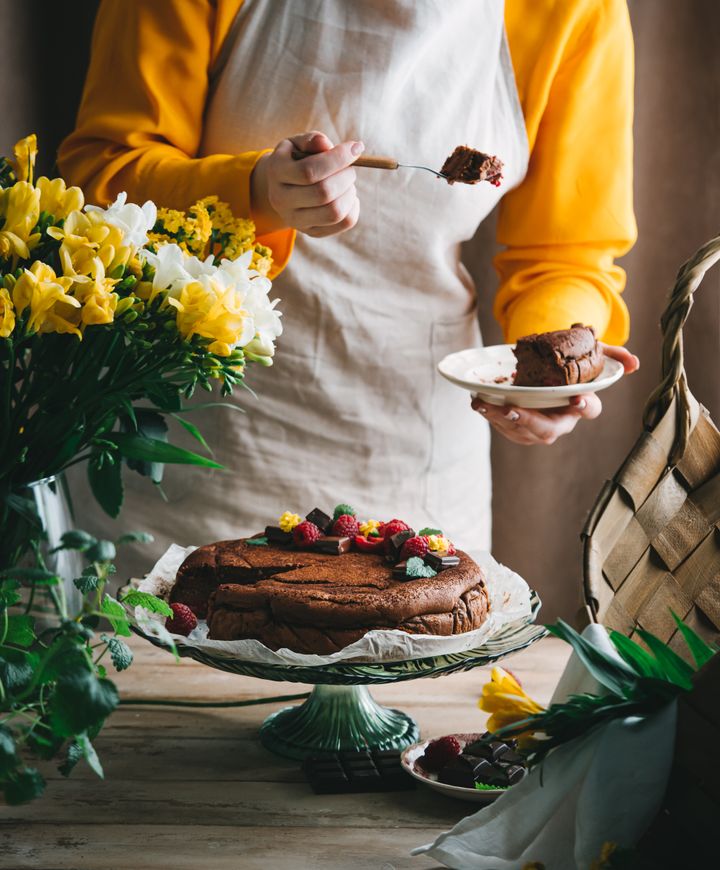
{"x":185,"y":99}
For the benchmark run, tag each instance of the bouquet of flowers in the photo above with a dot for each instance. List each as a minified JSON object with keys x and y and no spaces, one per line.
{"x":101,"y":308}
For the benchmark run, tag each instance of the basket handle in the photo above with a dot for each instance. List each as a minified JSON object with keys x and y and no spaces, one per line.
{"x":674,"y":382}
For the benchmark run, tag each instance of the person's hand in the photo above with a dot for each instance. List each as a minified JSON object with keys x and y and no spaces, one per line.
{"x":527,"y":426}
{"x":316,"y":195}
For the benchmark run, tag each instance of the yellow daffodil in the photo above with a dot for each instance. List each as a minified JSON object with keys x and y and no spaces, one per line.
{"x":288,"y":521}
{"x":97,"y":297}
{"x":52,"y":309}
{"x":7,"y":314}
{"x":212,"y":310}
{"x":57,"y":199}
{"x":25,"y":152}
{"x":369,"y":527}
{"x":505,"y":699}
{"x":84,"y":239}
{"x":20,"y":207}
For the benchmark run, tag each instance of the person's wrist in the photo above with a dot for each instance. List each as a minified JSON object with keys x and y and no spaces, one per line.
{"x":262,"y":213}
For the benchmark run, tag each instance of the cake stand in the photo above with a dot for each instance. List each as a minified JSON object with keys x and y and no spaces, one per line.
{"x":341,"y":714}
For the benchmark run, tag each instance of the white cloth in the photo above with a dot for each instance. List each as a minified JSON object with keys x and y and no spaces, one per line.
{"x":607,"y":786}
{"x":353,"y":409}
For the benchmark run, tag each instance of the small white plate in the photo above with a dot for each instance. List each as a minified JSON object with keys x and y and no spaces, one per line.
{"x":409,"y":757}
{"x":488,"y":371}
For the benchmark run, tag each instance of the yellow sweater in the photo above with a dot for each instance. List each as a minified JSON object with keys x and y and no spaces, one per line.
{"x":140,"y":124}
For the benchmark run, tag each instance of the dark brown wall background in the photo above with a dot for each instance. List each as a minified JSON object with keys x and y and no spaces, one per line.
{"x":541,"y":495}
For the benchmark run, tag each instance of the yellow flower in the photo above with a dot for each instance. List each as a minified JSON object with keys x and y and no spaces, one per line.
{"x":51,"y":308}
{"x":7,"y":314}
{"x":207,"y":308}
{"x":85,"y":238}
{"x":288,"y":521}
{"x":171,"y":219}
{"x":504,"y":697}
{"x":437,"y":543}
{"x":58,"y":200}
{"x":369,"y":527}
{"x":97,"y":298}
{"x":262,"y":260}
{"x":20,"y":207}
{"x":25,"y":152}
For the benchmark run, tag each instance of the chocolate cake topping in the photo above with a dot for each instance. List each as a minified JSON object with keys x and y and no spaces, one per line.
{"x":469,"y":166}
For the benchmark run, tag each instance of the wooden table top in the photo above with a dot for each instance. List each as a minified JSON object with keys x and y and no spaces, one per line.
{"x":190,"y":789}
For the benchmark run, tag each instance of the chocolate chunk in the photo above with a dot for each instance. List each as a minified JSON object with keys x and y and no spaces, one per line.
{"x":458,"y":771}
{"x":491,"y":774}
{"x":394,"y":544}
{"x":510,"y":756}
{"x":491,"y":751}
{"x":321,"y":520}
{"x":333,"y":545}
{"x":352,"y":772}
{"x":276,"y":535}
{"x":399,"y":572}
{"x":441,"y":563}
{"x":514,"y":773}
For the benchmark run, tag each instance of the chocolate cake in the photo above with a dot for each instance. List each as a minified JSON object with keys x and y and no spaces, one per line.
{"x":554,"y":359}
{"x":319,"y":602}
{"x":469,"y":166}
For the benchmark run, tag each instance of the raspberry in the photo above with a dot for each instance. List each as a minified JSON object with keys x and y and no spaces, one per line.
{"x":451,"y":551}
{"x":439,"y":752}
{"x":416,"y":546}
{"x":369,"y":545}
{"x":346,"y":526}
{"x":183,"y":620}
{"x":306,"y":533}
{"x":393,"y":527}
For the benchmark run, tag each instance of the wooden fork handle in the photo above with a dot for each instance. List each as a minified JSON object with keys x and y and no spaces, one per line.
{"x":370,"y":161}
{"x":373,"y":161}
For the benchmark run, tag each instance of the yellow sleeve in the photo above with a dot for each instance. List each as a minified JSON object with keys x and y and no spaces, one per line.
{"x":140,"y":121}
{"x":563,"y":226}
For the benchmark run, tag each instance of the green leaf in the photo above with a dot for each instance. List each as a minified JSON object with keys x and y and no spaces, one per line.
{"x":31,"y":575}
{"x":89,"y":754}
{"x":417,"y":569}
{"x":674,"y":668}
{"x":8,"y":756}
{"x":342,"y":509}
{"x":615,"y":675}
{"x":423,"y":532}
{"x":149,"y":424}
{"x":65,"y":656}
{"x":17,"y":668}
{"x":151,"y":450}
{"x":701,"y":652}
{"x":116,"y":614}
{"x":20,"y":630}
{"x":74,"y":754}
{"x":88,"y":582}
{"x":194,"y":431}
{"x":105,"y":476}
{"x":8,"y":593}
{"x":77,"y":540}
{"x":260,"y":541}
{"x":132,"y":537}
{"x":135,"y":598}
{"x":25,"y":787}
{"x":81,"y":701}
{"x":120,"y":652}
{"x":636,"y":656}
{"x":102,"y":551}
{"x":26,"y":508}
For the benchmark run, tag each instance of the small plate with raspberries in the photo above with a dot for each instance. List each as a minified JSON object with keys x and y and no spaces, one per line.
{"x":465,"y":766}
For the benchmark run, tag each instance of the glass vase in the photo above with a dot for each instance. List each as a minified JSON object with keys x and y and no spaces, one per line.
{"x":33,"y":519}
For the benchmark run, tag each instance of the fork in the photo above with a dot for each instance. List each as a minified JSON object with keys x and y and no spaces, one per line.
{"x":374,"y":161}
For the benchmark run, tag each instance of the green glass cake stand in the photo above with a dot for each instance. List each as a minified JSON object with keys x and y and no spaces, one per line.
{"x":341,"y":714}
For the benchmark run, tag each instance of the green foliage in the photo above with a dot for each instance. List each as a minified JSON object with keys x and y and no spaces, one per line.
{"x":424,"y":532}
{"x":342,"y":509}
{"x":54,"y":690}
{"x":135,"y":598}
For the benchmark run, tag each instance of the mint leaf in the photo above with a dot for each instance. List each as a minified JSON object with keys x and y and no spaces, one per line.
{"x":89,"y":754}
{"x":8,"y":593}
{"x":116,"y":614}
{"x":26,"y":786}
{"x":424,"y":532}
{"x":344,"y":509}
{"x":38,"y":576}
{"x":20,"y":630}
{"x":132,"y":537}
{"x":17,"y":668}
{"x":81,"y":701}
{"x":77,"y":540}
{"x":88,"y":582}
{"x":262,"y":541}
{"x":120,"y":652}
{"x":416,"y":568}
{"x":101,"y":551}
{"x":74,"y":754}
{"x":8,"y":757}
{"x":135,"y":598}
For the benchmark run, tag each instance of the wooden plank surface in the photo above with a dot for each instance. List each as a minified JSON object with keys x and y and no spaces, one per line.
{"x":193,"y":788}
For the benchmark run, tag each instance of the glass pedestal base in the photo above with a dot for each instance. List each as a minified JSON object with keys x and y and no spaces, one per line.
{"x":336,"y":719}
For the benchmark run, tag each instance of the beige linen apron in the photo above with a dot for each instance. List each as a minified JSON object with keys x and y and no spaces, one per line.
{"x":353,"y":409}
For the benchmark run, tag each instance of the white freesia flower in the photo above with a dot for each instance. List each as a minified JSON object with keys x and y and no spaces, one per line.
{"x":257,"y":303}
{"x":133,"y":220}
{"x":174,"y":268}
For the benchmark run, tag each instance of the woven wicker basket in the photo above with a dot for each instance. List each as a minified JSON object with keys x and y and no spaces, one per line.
{"x":652,"y":541}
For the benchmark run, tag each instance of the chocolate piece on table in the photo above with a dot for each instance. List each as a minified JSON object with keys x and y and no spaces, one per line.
{"x":321,"y":520}
{"x":352,"y":772}
{"x":277,"y":536}
{"x":395,"y":543}
{"x":469,"y":166}
{"x":458,"y":771}
{"x":332,"y":544}
{"x":441,"y":563}
{"x":400,"y":571}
